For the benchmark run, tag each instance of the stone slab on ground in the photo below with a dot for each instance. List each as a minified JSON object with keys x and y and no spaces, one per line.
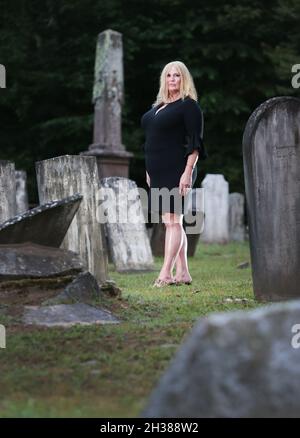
{"x":37,"y":261}
{"x":67,"y":315}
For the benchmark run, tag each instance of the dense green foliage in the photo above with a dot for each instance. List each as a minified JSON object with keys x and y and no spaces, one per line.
{"x":239,"y":52}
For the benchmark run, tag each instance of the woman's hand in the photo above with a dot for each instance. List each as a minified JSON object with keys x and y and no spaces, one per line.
{"x":148,"y":179}
{"x":185,"y":183}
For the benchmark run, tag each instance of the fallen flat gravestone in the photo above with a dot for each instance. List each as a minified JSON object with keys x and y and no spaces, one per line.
{"x":67,"y":315}
{"x":237,"y":364}
{"x":44,"y":225}
{"x":36,"y":261}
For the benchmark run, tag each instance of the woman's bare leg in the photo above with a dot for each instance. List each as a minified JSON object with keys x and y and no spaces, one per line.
{"x":173,"y":243}
{"x":182,"y":270}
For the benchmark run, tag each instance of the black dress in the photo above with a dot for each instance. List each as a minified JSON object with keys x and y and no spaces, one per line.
{"x":171,"y":135}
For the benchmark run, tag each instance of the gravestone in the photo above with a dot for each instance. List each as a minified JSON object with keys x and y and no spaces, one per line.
{"x":21,"y":191}
{"x":233,"y":365}
{"x":271,"y":153}
{"x":63,"y":176}
{"x":44,"y":225}
{"x":28,"y":260}
{"x":236,"y":217}
{"x":108,"y":96}
{"x":193,"y":220}
{"x":67,"y":315}
{"x":216,"y":207}
{"x":7,"y":190}
{"x":125,"y":227}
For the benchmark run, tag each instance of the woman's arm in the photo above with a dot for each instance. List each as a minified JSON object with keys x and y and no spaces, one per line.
{"x":147,"y":178}
{"x":192,"y":160}
{"x":186,"y":177}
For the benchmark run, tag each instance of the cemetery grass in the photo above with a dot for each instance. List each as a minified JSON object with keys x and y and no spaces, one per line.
{"x":110,"y":370}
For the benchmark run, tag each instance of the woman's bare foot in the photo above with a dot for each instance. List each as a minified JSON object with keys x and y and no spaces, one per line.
{"x":183,"y":279}
{"x":161,"y":282}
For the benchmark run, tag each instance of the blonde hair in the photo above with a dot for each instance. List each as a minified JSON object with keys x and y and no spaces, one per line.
{"x":187,"y":87}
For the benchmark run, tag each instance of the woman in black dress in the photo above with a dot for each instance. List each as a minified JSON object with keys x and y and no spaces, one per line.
{"x":173,"y":132}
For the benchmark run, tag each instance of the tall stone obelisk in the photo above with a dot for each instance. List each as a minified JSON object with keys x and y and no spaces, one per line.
{"x":112,"y":157}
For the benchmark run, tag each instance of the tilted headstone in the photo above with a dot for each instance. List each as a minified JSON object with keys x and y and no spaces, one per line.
{"x":233,"y":365}
{"x":21,"y":191}
{"x":7,"y":190}
{"x":236,"y":217}
{"x":63,"y":176}
{"x":216,"y":208}
{"x":126,"y":230}
{"x":271,"y":153}
{"x":44,"y":225}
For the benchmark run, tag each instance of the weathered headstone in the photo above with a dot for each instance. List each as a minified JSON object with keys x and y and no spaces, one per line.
{"x":7,"y":190}
{"x":44,"y":225}
{"x":233,"y":365}
{"x":21,"y":261}
{"x":107,"y":147}
{"x":216,"y":207}
{"x":236,"y":217}
{"x":21,"y":191}
{"x":127,"y":236}
{"x":63,"y":176}
{"x":271,"y":152}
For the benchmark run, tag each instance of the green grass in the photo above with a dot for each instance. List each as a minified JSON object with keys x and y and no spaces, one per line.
{"x":110,"y":370}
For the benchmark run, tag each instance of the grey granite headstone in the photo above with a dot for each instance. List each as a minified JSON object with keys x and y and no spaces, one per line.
{"x":236,"y":217}
{"x":37,"y":261}
{"x":63,"y":176}
{"x":126,"y":230}
{"x":21,"y":192}
{"x":237,"y":364}
{"x":44,"y":225}
{"x":216,"y":207}
{"x":7,"y":190}
{"x":271,"y":152}
{"x":67,"y":315}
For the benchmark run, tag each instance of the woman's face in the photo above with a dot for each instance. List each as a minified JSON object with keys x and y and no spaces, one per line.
{"x":173,"y":80}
